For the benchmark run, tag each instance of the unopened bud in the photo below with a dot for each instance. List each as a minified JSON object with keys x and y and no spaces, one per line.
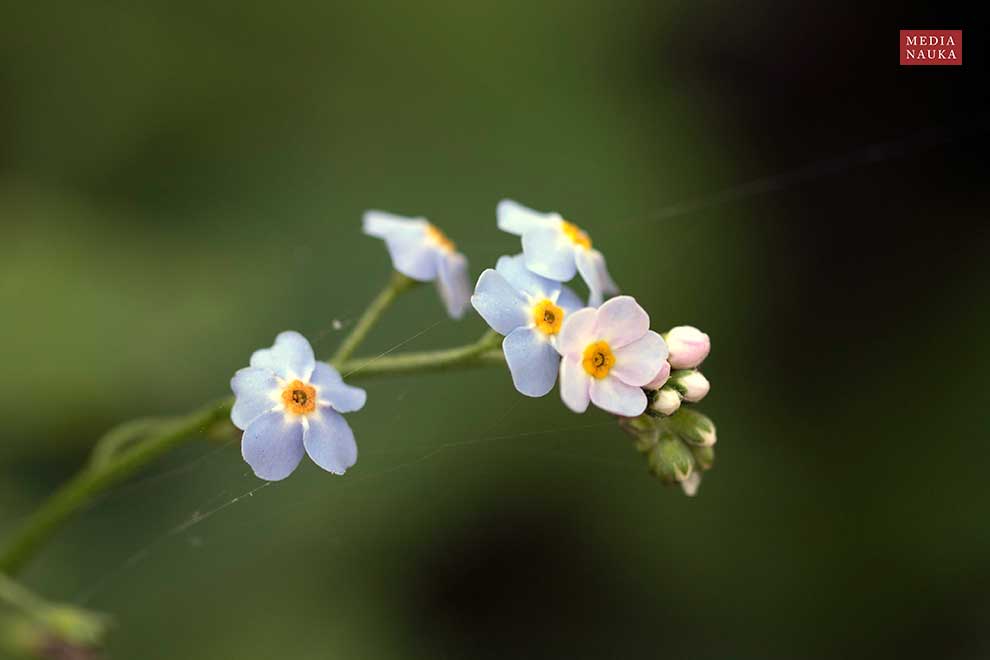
{"x":704,"y":457}
{"x":670,"y":459}
{"x":688,"y":346}
{"x":690,"y":485}
{"x":693,"y":427}
{"x":692,"y":384}
{"x":666,"y":401}
{"x":643,"y":430}
{"x":661,"y":378}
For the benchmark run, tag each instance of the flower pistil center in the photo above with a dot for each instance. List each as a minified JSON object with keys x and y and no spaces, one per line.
{"x":547,"y":317}
{"x":598,"y":359}
{"x":299,"y":398}
{"x":577,"y":235}
{"x":439,"y":239}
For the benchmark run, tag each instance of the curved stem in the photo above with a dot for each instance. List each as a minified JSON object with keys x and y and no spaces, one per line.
{"x":396,"y":285}
{"x":63,"y":621}
{"x":115,"y":463}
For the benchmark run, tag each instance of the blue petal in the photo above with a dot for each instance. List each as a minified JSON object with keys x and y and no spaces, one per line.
{"x":273,"y":445}
{"x":591,"y":265}
{"x":253,"y":388}
{"x":514,"y":270}
{"x":290,"y":357}
{"x":549,"y":253}
{"x":411,"y":254}
{"x":568,"y":300}
{"x":532,"y":361}
{"x":330,"y":386}
{"x":453,"y":283}
{"x":330,"y":442}
{"x":499,"y":303}
{"x":516,"y":219}
{"x":381,"y":223}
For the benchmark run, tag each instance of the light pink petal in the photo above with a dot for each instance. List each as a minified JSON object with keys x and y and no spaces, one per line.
{"x":622,"y":321}
{"x":614,"y":396}
{"x":639,"y":362}
{"x":574,"y":384}
{"x":661,"y":378}
{"x":577,"y":331}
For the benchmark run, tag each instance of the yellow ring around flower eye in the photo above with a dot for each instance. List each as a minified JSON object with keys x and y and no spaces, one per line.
{"x":577,"y":235}
{"x":299,"y":398}
{"x":598,"y":359}
{"x":439,"y":239}
{"x":547,"y":317}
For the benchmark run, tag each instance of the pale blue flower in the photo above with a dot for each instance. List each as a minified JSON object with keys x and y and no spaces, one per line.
{"x":422,"y":252}
{"x":556,"y":248}
{"x":289,"y":404}
{"x":528,"y":310}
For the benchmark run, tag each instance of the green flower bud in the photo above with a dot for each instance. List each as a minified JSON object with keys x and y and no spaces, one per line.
{"x":704,"y":457}
{"x":643,"y":429}
{"x":693,"y":427}
{"x":670,"y":459}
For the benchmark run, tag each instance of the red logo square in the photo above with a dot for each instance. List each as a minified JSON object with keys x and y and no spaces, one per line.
{"x":931,"y":47}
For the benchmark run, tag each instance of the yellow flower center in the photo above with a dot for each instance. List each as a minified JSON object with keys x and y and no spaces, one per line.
{"x":439,"y":239}
{"x":577,"y":235}
{"x":547,"y":317}
{"x":299,"y":398}
{"x":598,"y":359}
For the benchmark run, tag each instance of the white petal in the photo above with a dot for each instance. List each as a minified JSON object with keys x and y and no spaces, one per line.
{"x":522,"y":279}
{"x":591,"y":265}
{"x":381,"y":223}
{"x":453,"y":283}
{"x":517,"y":219}
{"x":412,"y":255}
{"x":639,"y":362}
{"x":614,"y":396}
{"x":290,"y":357}
{"x":273,"y":445}
{"x":622,"y":321}
{"x":502,"y":307}
{"x":330,"y":442}
{"x":532,"y":361}
{"x":568,"y":300}
{"x":331,"y":387}
{"x":577,"y":331}
{"x":255,"y":392}
{"x":575,"y":384}
{"x":549,"y":253}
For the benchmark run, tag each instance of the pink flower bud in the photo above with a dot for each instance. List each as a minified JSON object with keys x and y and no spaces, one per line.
{"x":688,"y":346}
{"x":660,"y":378}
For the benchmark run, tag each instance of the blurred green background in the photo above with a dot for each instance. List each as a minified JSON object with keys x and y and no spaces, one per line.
{"x":179,"y":182}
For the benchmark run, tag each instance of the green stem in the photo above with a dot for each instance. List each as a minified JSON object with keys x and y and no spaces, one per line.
{"x":115,"y":464}
{"x":65,"y":622}
{"x":396,"y":285}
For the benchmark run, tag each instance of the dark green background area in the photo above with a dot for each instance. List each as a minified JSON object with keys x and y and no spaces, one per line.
{"x":180,"y":182}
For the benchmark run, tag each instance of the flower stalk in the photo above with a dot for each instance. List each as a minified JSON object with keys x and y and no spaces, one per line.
{"x":397,"y":285}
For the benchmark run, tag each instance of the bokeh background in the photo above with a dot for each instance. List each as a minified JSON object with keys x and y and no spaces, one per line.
{"x":179,"y":181}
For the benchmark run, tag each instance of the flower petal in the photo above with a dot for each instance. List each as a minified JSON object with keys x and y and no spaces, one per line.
{"x":661,"y":377}
{"x":614,"y":396}
{"x":515,"y":272}
{"x":517,"y":219}
{"x":273,"y":445}
{"x":330,"y":386}
{"x":549,"y":253}
{"x":329,"y":441}
{"x":622,"y":321}
{"x":568,"y":300}
{"x":577,"y":331}
{"x":591,"y":265}
{"x":381,"y":223}
{"x":532,"y":360}
{"x":411,"y":254}
{"x":502,"y":307}
{"x":639,"y":363}
{"x":575,"y":384}
{"x":453,"y":283}
{"x":255,"y":392}
{"x":290,"y":357}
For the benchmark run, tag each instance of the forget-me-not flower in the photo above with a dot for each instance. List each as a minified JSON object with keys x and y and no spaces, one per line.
{"x":289,"y":404}
{"x":556,"y":248}
{"x":424,"y":253}
{"x":609,"y":355}
{"x":528,"y":310}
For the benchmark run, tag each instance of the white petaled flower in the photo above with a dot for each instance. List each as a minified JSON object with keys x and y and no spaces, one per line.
{"x":609,"y":355}
{"x":661,"y":378}
{"x":424,"y":253}
{"x":289,"y":404}
{"x":529,"y":310}
{"x":556,"y":248}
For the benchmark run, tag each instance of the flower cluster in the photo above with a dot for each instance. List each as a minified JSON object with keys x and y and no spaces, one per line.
{"x":602,"y":352}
